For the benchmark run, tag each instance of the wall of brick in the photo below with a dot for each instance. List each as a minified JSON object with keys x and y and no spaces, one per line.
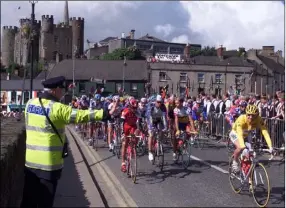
{"x":13,"y":139}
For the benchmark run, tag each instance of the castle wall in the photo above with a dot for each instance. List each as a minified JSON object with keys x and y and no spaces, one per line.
{"x":8,"y":43}
{"x":46,"y":46}
{"x":63,"y":40}
{"x":78,"y":34}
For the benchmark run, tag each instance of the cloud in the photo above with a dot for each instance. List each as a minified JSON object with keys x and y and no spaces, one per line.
{"x":166,"y":29}
{"x":239,"y":23}
{"x":181,"y":39}
{"x":233,"y":24}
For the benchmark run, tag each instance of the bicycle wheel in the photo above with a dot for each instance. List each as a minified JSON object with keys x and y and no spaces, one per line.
{"x":236,"y":179}
{"x":160,"y":156}
{"x":260,"y":193}
{"x":133,"y":164}
{"x":186,"y":154}
{"x":95,"y":140}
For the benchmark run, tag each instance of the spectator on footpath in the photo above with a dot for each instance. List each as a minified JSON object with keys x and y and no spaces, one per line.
{"x":46,"y":147}
{"x":227,"y":101}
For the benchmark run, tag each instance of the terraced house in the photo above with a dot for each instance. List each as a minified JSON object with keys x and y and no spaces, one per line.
{"x":211,"y":74}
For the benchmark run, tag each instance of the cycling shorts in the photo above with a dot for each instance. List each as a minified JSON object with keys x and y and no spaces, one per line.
{"x":184,"y":126}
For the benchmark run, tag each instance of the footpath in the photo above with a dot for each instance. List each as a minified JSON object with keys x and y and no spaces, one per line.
{"x":76,"y":188}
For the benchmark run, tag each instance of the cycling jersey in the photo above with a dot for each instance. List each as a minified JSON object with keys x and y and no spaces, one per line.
{"x":182,"y":114}
{"x":197,"y":112}
{"x":117,"y":111}
{"x":156,"y":115}
{"x":242,"y":127}
{"x":95,"y":105}
{"x":170,"y":109}
{"x":130,"y":117}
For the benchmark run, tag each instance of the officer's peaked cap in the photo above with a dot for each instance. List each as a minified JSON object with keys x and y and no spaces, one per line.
{"x":54,"y":82}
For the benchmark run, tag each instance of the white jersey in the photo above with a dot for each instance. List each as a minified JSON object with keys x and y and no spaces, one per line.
{"x":95,"y":106}
{"x":117,"y":111}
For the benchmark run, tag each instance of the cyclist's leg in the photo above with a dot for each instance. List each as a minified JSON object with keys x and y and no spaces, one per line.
{"x":238,"y":149}
{"x":110,"y":130}
{"x":91,"y":130}
{"x":125,"y":141}
{"x":150,"y":144}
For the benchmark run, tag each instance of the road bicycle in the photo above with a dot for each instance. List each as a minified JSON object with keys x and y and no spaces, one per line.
{"x":249,"y":174}
{"x":132,"y":157}
{"x":184,"y":149}
{"x":158,"y":150}
{"x":98,"y":133}
{"x":117,"y":139}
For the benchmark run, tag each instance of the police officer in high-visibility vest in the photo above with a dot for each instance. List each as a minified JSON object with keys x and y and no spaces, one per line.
{"x":45,"y":121}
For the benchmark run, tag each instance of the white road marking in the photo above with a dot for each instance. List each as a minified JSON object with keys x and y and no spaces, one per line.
{"x":208,"y":164}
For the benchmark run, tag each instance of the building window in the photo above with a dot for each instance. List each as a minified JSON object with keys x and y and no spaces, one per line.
{"x":143,"y":47}
{"x":162,"y":76}
{"x":26,"y":96}
{"x":133,"y":87}
{"x":81,"y":87}
{"x":56,"y":39}
{"x":55,"y":55}
{"x":218,"y":78}
{"x":183,"y":77}
{"x":13,"y":96}
{"x":118,"y":87}
{"x":201,"y":78}
{"x":238,"y":78}
{"x":182,"y":89}
{"x":176,"y":50}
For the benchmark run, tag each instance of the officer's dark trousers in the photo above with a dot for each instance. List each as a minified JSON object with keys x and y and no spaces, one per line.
{"x":38,"y":192}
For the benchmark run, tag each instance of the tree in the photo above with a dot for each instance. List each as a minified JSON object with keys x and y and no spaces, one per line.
{"x":209,"y":51}
{"x":131,"y":53}
{"x":242,"y":52}
{"x":195,"y":52}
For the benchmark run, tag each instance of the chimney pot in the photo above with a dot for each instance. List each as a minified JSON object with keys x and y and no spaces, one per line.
{"x":132,"y":34}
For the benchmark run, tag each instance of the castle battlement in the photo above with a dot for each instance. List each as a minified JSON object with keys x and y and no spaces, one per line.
{"x":76,"y":19}
{"x":24,"y":21}
{"x":47,"y":17}
{"x":11,"y":28}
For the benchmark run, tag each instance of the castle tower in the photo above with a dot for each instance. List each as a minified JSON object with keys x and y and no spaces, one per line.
{"x":66,"y":13}
{"x":47,"y":37}
{"x":77,"y":34}
{"x":8,"y":44}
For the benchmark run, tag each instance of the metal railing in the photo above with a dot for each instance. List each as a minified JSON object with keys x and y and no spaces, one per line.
{"x":219,"y":127}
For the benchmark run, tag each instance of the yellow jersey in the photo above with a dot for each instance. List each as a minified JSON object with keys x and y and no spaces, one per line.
{"x":242,"y":127}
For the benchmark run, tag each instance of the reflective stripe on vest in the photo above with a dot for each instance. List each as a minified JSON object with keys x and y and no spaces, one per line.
{"x":42,"y":156}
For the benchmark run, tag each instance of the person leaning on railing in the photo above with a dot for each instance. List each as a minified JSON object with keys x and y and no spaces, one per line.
{"x":46,"y":147}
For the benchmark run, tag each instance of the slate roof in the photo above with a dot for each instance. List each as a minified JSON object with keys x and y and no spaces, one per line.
{"x":101,"y":69}
{"x":151,"y":38}
{"x":7,"y":85}
{"x":106,"y":40}
{"x":270,"y":63}
{"x":216,"y":61}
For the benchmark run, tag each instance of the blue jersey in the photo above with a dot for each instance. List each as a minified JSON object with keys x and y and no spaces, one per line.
{"x":95,"y":105}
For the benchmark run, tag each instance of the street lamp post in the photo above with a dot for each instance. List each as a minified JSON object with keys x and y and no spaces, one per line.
{"x":73,"y":68}
{"x":123,"y":74}
{"x":32,"y":33}
{"x":46,"y":67}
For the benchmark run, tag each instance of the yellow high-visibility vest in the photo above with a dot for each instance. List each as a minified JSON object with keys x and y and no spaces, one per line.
{"x":43,"y":146}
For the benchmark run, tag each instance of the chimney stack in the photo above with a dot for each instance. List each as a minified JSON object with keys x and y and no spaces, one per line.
{"x":132,"y":34}
{"x":187,"y":51}
{"x":220,"y":52}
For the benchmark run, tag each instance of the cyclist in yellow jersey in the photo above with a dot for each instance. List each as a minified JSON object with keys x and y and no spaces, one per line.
{"x":243,"y":125}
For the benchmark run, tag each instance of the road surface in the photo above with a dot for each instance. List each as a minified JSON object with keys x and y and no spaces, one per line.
{"x":204,"y":184}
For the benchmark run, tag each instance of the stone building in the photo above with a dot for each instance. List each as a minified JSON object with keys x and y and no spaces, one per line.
{"x":148,"y":44}
{"x":50,"y":40}
{"x":211,"y":74}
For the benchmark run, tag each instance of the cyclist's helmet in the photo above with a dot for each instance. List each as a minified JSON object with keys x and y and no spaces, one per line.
{"x":251,"y":109}
{"x":236,"y":102}
{"x":83,"y":97}
{"x":133,"y":103}
{"x":199,"y":101}
{"x":102,"y":99}
{"x":243,"y":103}
{"x":97,"y":96}
{"x":143,"y":100}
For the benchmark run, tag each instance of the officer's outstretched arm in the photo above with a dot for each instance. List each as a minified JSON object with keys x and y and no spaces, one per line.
{"x":69,"y":115}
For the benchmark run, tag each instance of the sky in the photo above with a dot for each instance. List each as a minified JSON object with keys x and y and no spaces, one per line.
{"x":233,"y":24}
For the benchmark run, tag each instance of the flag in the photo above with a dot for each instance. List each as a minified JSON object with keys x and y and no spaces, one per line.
{"x":187,"y":92}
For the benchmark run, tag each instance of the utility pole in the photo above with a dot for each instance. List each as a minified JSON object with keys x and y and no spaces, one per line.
{"x":123,"y":74}
{"x":32,"y":34}
{"x":73,"y":68}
